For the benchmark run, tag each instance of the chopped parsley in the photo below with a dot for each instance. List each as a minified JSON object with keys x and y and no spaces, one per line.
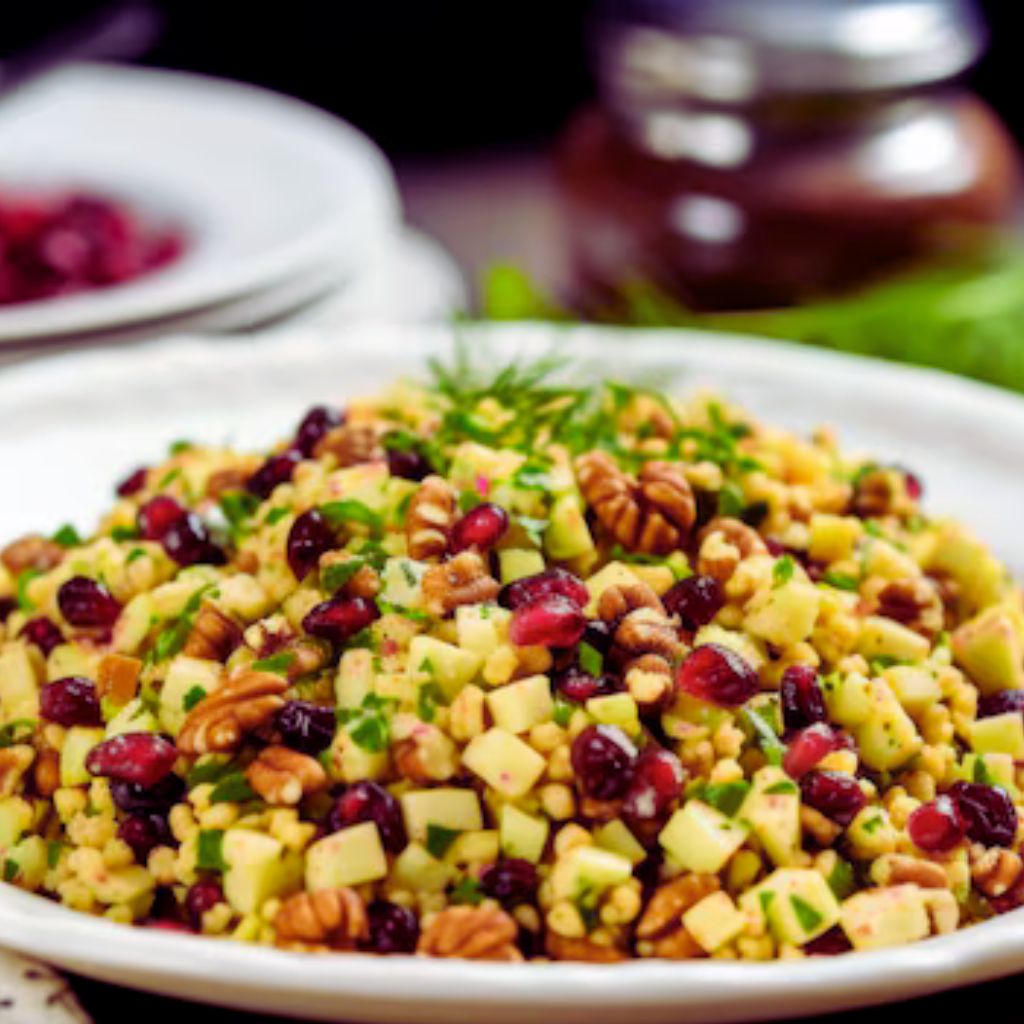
{"x":275,"y":515}
{"x":563,"y":711}
{"x":783,"y":570}
{"x":213,"y":770}
{"x":781,"y":787}
{"x":238,"y":508}
{"x":348,"y":511}
{"x":210,"y":850}
{"x":122,"y":533}
{"x":841,"y":581}
{"x":21,"y":589}
{"x":67,"y":536}
{"x":591,"y":660}
{"x":192,"y":698}
{"x":279,"y":663}
{"x":768,"y":740}
{"x":369,"y":725}
{"x":808,"y":917}
{"x":428,"y":698}
{"x":723,"y":796}
{"x":440,"y":839}
{"x":233,"y":788}
{"x":17,"y":731}
{"x":172,"y":638}
{"x":11,"y":869}
{"x":467,"y":891}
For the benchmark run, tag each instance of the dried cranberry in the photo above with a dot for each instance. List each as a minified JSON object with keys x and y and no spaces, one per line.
{"x":553,"y":621}
{"x":314,"y":425}
{"x":202,"y":896}
{"x":392,"y":928}
{"x":549,"y":583}
{"x":837,"y":796}
{"x":657,"y":783}
{"x":367,"y":801}
{"x":43,"y":633}
{"x":141,"y":757}
{"x":277,"y":470}
{"x":157,"y":516}
{"x":696,"y":600}
{"x":408,"y":465}
{"x":988,"y":811}
{"x":144,"y":832}
{"x":340,"y":618}
{"x":604,"y":762}
{"x":599,"y":635}
{"x":830,"y":943}
{"x":70,"y":701}
{"x":937,"y":826}
{"x":84,"y":602}
{"x":808,"y":747}
{"x":133,"y":483}
{"x":1002,"y":702}
{"x":7,"y":605}
{"x":306,"y":727}
{"x":309,"y":538}
{"x":719,"y":675}
{"x":481,"y":528}
{"x":803,"y":702}
{"x":188,"y":542}
{"x":576,"y":685}
{"x":159,"y":798}
{"x":510,"y":882}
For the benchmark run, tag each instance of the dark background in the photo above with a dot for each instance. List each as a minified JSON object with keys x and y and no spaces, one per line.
{"x":423,"y":77}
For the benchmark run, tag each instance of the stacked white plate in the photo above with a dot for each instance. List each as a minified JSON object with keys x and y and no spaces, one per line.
{"x":285,"y":209}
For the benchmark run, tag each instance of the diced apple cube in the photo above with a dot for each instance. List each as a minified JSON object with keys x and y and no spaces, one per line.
{"x":518,"y":707}
{"x":999,"y":734}
{"x":449,"y":666}
{"x":259,"y":868}
{"x":616,"y":837}
{"x":586,"y":871}
{"x":784,"y":615}
{"x":349,"y":857}
{"x":884,"y":638}
{"x":714,"y":921}
{"x":890,"y":916}
{"x":504,"y":762}
{"x":522,"y":835}
{"x":450,"y":808}
{"x":701,"y":839}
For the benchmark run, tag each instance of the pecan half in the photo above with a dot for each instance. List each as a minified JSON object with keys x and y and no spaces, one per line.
{"x":429,"y":518}
{"x":660,"y":932}
{"x":881,"y":492}
{"x":117,"y":677}
{"x":421,"y":752}
{"x":465,"y":579}
{"x":558,"y":947}
{"x":645,"y":631}
{"x":898,"y":868}
{"x":621,"y":599}
{"x":219,"y":722}
{"x":14,"y":762}
{"x":471,"y":933}
{"x":351,"y":444}
{"x":281,"y":775}
{"x":33,"y":552}
{"x":995,"y":871}
{"x":822,"y":830}
{"x":46,"y":772}
{"x":916,"y":604}
{"x":724,"y":543}
{"x":330,"y":917}
{"x":213,"y":636}
{"x":649,"y":680}
{"x":653,"y":513}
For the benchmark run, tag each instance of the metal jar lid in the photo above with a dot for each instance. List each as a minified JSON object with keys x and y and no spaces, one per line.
{"x":736,"y":50}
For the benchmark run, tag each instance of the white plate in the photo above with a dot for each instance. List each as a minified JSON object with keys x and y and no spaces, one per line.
{"x":265,"y":188}
{"x":71,"y":425}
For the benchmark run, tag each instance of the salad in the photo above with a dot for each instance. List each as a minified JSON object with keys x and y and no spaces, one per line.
{"x":504,"y":669}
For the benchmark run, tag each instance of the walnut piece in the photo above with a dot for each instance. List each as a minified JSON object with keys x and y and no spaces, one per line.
{"x":471,"y":933}
{"x":14,"y":762}
{"x":649,"y":679}
{"x":914,"y":603}
{"x":33,"y":552}
{"x":724,"y":543}
{"x":335,"y":918}
{"x":219,"y":722}
{"x":213,"y":636}
{"x":351,"y":444}
{"x":621,"y":599}
{"x":898,"y":868}
{"x":224,"y":480}
{"x":465,"y":579}
{"x":364,"y":583}
{"x":46,"y":772}
{"x":558,"y":947}
{"x":646,"y":631}
{"x":422,"y":752}
{"x":822,"y":830}
{"x":429,"y":519}
{"x":652,"y":513}
{"x":660,"y":932}
{"x":995,"y":871}
{"x":283,"y":776}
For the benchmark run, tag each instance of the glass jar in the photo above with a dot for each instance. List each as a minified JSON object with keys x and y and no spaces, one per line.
{"x":758,"y":153}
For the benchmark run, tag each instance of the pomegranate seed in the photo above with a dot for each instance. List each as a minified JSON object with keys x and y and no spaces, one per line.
{"x":1001,"y":703}
{"x":277,"y":470}
{"x":188,"y":542}
{"x":157,"y":516}
{"x":719,"y":675}
{"x":803,"y":702}
{"x":141,"y":757}
{"x":937,"y":826}
{"x":156,"y":799}
{"x":549,"y":583}
{"x":166,"y":925}
{"x":604,"y":761}
{"x":143,"y":833}
{"x":913,"y":483}
{"x":510,"y":881}
{"x":392,"y":928}
{"x":808,"y":747}
{"x":84,"y":602}
{"x":201,"y":897}
{"x":309,"y":538}
{"x":43,"y":633}
{"x":549,"y":622}
{"x":696,"y":600}
{"x":306,"y":727}
{"x":368,"y":801}
{"x":657,"y":783}
{"x":576,"y":685}
{"x":340,"y":618}
{"x":830,"y":943}
{"x":133,"y":483}
{"x":314,"y":425}
{"x":408,"y":465}
{"x":70,"y":701}
{"x":837,"y":796}
{"x":481,"y":528}
{"x":988,"y":811}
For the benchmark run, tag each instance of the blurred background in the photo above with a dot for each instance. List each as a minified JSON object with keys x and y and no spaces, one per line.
{"x":843,"y":172}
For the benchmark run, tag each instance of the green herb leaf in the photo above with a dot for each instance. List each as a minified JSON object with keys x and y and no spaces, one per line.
{"x":337,"y":574}
{"x":233,"y":788}
{"x":783,"y":570}
{"x":467,"y":891}
{"x":768,"y":740}
{"x":17,"y":731}
{"x":428,"y":698}
{"x":210,"y":850}
{"x":21,"y":588}
{"x":841,"y":581}
{"x":808,"y":917}
{"x":591,"y":659}
{"x":841,"y":879}
{"x":275,"y":515}
{"x":67,"y":536}
{"x":347,"y":511}
{"x":780,"y":787}
{"x":192,"y":698}
{"x":212,"y":770}
{"x":563,"y":711}
{"x":440,"y":839}
{"x":172,"y":638}
{"x":179,"y":446}
{"x":11,"y":869}
{"x":53,"y":851}
{"x":279,"y":663}
{"x":123,"y":533}
{"x":725,"y":796}
{"x":238,"y":508}
{"x":730,"y":500}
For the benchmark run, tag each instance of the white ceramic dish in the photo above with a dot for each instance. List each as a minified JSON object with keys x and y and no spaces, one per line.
{"x":264,"y":187}
{"x":71,"y":425}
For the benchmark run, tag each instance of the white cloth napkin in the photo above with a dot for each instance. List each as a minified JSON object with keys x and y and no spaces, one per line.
{"x":32,"y":993}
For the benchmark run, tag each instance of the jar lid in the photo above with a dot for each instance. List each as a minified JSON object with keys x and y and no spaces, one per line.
{"x":734,"y":50}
